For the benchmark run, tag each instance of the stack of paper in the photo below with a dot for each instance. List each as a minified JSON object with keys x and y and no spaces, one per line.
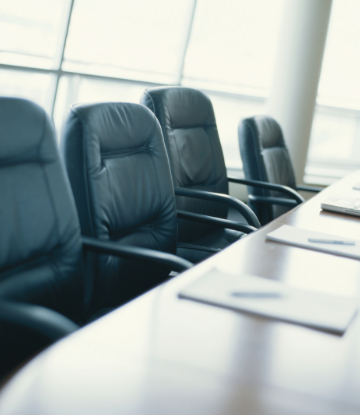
{"x":316,"y":240}
{"x":273,"y":299}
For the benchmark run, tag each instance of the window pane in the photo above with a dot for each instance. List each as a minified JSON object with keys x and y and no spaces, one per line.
{"x":335,"y":138}
{"x":76,"y":89}
{"x":136,"y":39}
{"x":228,"y":112}
{"x":340,"y":80}
{"x":233,"y":44}
{"x":33,"y":86}
{"x":30,"y":31}
{"x":334,"y":146}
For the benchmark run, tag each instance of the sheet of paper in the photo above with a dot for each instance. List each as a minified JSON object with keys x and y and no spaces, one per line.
{"x":300,"y":237}
{"x":273,"y":299}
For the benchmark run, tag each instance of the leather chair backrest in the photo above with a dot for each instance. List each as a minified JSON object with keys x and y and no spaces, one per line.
{"x":192,"y":141}
{"x":40,"y":248}
{"x":265,"y":157}
{"x":119,"y":172}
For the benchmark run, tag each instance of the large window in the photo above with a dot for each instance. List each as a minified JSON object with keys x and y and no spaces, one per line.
{"x":61,"y":52}
{"x":228,"y":50}
{"x":38,"y":87}
{"x":31,"y":32}
{"x":229,"y":53}
{"x":335,"y":140}
{"x":137,"y":39}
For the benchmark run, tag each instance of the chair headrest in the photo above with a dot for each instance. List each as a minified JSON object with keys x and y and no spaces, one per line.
{"x":186,"y":107}
{"x":23,"y":128}
{"x":270,"y":133}
{"x":106,"y":122}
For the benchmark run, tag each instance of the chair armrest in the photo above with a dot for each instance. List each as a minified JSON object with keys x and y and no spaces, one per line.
{"x":273,"y":200}
{"x":223,"y":223}
{"x":125,"y":251}
{"x":248,"y":214}
{"x":48,"y":323}
{"x":277,"y":187}
{"x":191,"y":246}
{"x":312,"y":189}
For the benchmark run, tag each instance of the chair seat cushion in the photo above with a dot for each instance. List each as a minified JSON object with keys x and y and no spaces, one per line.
{"x":208,"y":245}
{"x":219,"y":239}
{"x":194,"y":253}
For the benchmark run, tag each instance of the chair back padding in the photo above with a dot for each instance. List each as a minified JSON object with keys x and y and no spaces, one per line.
{"x":192,"y":141}
{"x":40,"y":247}
{"x":265,"y":157}
{"x":119,"y":172}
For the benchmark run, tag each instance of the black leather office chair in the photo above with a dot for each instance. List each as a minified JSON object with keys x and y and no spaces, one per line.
{"x":40,"y":249}
{"x":197,"y":164}
{"x":119,"y":172}
{"x":266,"y":158}
{"x":44,"y":292}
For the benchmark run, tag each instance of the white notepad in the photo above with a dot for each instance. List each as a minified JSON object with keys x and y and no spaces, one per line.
{"x":300,"y":237}
{"x":340,"y":204}
{"x":273,"y":299}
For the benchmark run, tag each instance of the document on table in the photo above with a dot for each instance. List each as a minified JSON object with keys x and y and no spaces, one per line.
{"x":317,"y":241}
{"x":273,"y":299}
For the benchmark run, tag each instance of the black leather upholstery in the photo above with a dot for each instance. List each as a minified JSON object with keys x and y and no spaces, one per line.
{"x":44,"y":291}
{"x":119,"y":172}
{"x":40,"y":247}
{"x":192,"y":141}
{"x":266,"y":158}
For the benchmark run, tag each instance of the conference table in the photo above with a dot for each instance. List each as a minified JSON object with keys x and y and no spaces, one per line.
{"x":160,"y":354}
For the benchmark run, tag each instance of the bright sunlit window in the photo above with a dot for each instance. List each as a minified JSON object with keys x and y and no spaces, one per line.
{"x":334,"y":146}
{"x":228,"y":50}
{"x":31,"y":31}
{"x":137,"y":39}
{"x":61,"y":52}
{"x":229,"y":53}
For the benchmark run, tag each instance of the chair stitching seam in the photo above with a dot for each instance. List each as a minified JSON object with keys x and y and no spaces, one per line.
{"x":117,"y":154}
{"x":87,"y":187}
{"x":57,"y":160}
{"x":185,"y":127}
{"x":130,"y":230}
{"x":30,"y":261}
{"x":162,"y":129}
{"x":152,"y":102}
{"x":42,"y":137}
{"x":157,"y":179}
{"x":258,"y":161}
{"x":211,"y":146}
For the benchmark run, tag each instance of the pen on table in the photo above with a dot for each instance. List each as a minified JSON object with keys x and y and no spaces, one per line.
{"x":331,"y":241}
{"x":256,"y":294}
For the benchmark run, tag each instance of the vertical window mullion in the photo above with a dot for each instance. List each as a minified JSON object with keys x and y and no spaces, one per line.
{"x":60,"y":53}
{"x":190,"y":22}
